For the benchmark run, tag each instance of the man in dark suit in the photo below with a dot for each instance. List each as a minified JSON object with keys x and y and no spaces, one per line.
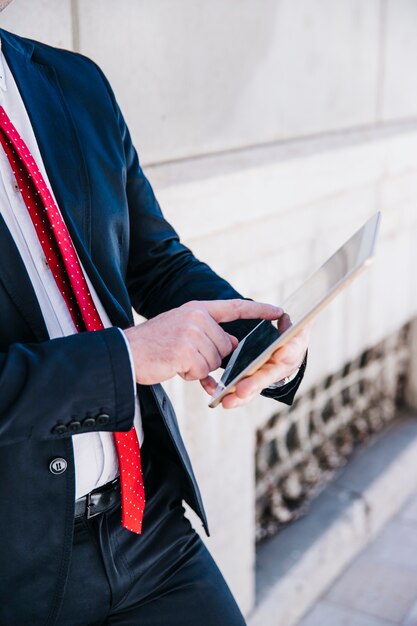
{"x":65,"y":557}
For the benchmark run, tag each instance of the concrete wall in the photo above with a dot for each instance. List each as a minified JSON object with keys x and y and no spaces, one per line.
{"x":237,"y":74}
{"x":271,"y":129}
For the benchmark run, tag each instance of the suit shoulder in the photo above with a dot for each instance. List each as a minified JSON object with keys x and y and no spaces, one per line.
{"x":78,"y":76}
{"x":58,"y":58}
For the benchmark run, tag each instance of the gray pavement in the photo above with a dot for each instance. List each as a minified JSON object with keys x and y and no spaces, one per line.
{"x":379,"y":587}
{"x":361,"y":532}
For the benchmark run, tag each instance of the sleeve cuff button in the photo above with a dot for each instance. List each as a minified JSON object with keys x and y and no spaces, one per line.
{"x":103,"y":419}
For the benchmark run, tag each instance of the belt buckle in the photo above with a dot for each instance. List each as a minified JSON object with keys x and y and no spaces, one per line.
{"x":89,"y":504}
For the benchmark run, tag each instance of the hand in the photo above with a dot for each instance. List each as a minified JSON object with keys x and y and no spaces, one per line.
{"x":284,"y":362}
{"x":188,"y":340}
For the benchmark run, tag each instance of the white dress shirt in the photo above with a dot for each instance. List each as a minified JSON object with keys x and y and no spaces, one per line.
{"x":96,"y":461}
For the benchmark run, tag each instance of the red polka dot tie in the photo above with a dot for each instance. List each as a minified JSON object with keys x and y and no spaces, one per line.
{"x":63,"y":262}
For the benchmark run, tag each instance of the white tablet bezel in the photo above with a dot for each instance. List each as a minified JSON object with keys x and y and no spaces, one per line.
{"x":369,"y":233}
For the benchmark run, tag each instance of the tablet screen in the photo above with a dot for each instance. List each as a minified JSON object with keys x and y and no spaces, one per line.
{"x":258,"y":340}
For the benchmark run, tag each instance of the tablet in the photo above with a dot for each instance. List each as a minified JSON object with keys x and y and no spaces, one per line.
{"x":302,"y":305}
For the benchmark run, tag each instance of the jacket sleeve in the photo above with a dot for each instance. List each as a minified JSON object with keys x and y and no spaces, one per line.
{"x":56,"y":388}
{"x":162,"y":272}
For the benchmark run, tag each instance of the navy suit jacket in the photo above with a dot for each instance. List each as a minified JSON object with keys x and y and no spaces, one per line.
{"x":48,"y":388}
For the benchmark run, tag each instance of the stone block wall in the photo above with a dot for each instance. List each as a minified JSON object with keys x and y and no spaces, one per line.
{"x":271,"y":130}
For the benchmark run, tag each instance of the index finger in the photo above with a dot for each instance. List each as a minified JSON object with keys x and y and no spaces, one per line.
{"x":231,"y":310}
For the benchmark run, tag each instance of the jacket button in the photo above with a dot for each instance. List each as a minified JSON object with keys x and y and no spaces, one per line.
{"x":103,"y":419}
{"x":58,"y":466}
{"x":89,"y":422}
{"x":59,"y":429}
{"x":74,"y":425}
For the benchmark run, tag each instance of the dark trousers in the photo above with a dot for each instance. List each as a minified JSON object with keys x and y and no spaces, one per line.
{"x":164,"y":577}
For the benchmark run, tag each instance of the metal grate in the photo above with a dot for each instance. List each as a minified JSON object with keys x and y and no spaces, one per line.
{"x":299,"y":449}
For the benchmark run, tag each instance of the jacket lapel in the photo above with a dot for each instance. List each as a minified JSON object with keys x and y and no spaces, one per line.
{"x":55,"y":131}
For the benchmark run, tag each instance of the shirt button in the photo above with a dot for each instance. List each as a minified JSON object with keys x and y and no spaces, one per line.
{"x":15,"y":187}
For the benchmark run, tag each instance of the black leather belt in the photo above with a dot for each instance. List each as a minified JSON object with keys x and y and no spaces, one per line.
{"x":99,"y":500}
